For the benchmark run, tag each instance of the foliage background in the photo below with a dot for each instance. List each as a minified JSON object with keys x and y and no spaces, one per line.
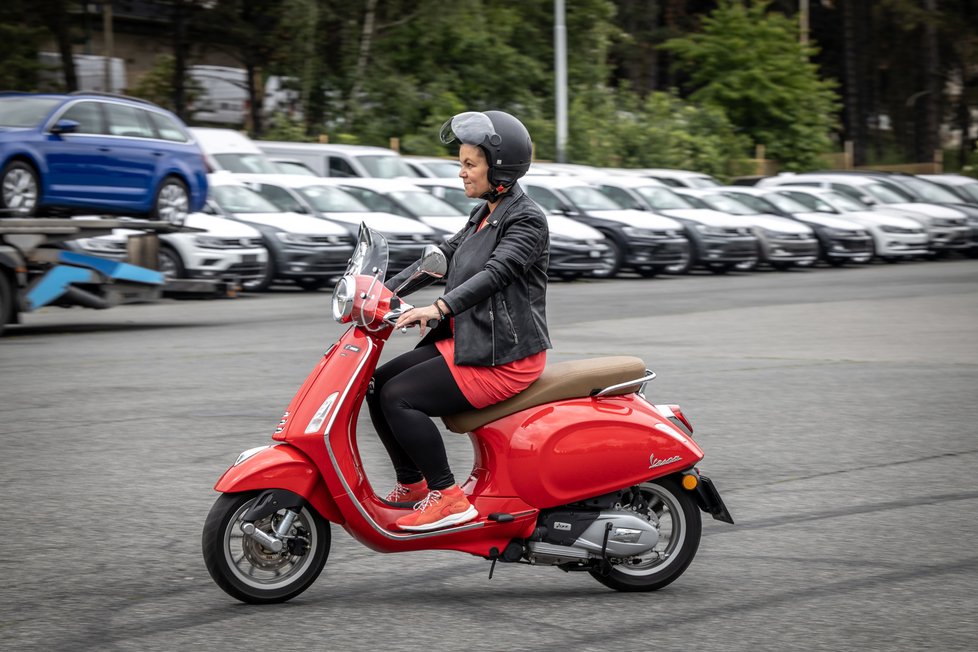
{"x":679,"y":83}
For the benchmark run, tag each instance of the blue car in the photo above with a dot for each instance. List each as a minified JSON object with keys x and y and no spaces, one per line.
{"x":96,"y":153}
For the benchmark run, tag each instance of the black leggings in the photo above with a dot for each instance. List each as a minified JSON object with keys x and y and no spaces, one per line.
{"x":407,"y":391}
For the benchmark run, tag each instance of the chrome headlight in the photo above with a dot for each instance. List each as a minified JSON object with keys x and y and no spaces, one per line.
{"x":343,"y":294}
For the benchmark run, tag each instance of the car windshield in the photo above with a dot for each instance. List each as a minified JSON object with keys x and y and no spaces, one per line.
{"x":446,"y":169}
{"x":930,"y":191}
{"x":970,"y":189}
{"x":291,"y":167}
{"x":21,"y":112}
{"x":662,"y":198}
{"x":727,"y":205}
{"x":844,"y":202}
{"x":246,"y":163}
{"x":460,"y":200}
{"x":791,"y":206}
{"x":386,"y":166}
{"x":329,"y":199}
{"x":886,"y":194}
{"x":238,"y":199}
{"x":588,"y":198}
{"x":759,"y":204}
{"x":701,"y":182}
{"x":426,"y":204}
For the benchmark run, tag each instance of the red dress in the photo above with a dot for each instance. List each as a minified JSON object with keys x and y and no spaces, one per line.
{"x":485,"y":386}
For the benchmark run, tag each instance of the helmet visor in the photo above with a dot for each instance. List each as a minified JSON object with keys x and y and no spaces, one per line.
{"x":469,"y":128}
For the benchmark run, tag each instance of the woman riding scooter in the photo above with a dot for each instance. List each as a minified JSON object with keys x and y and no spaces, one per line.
{"x":491,"y":336}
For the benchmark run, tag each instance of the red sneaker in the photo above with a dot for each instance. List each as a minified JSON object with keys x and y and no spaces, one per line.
{"x":439,"y":509}
{"x":407,"y":495}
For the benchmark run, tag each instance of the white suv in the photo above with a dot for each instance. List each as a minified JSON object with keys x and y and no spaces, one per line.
{"x":218,"y":249}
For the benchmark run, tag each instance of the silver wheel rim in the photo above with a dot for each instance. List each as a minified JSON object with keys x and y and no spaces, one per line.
{"x":168,"y":266}
{"x":172,"y":204}
{"x":20,"y":190}
{"x":666,"y":514}
{"x":259,"y":568}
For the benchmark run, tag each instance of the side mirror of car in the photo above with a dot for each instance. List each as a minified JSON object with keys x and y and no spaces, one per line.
{"x":65,"y":127}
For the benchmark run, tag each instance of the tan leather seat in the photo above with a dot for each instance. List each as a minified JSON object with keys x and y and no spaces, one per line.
{"x":559,"y":381}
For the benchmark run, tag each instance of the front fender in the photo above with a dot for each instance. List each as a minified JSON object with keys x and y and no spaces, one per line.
{"x":282,"y":467}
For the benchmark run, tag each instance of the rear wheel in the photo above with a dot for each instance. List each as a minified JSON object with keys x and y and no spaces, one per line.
{"x":674,"y":513}
{"x":248,"y":571}
{"x":19,"y":190}
{"x":172,"y":202}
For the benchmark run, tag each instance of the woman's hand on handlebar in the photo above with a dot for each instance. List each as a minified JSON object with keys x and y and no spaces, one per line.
{"x":420,"y":316}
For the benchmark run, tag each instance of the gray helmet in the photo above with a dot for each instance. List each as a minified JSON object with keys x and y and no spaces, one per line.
{"x":503,"y":139}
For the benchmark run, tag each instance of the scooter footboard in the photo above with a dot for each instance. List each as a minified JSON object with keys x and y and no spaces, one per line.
{"x":281,"y":467}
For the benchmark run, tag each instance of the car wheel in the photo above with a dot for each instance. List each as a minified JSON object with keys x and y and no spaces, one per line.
{"x":172,"y":202}
{"x":647,"y":271}
{"x":171,"y":265}
{"x":6,"y":301}
{"x":680,"y":268}
{"x":19,"y":190}
{"x":263,"y":282}
{"x":569,"y":277}
{"x":611,"y":263}
{"x":311,"y":283}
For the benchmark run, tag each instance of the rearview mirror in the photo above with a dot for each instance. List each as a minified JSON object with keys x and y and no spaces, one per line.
{"x":433,"y":262}
{"x":64,"y":127}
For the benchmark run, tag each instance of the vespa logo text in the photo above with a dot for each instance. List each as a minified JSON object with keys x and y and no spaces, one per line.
{"x":655,"y":462}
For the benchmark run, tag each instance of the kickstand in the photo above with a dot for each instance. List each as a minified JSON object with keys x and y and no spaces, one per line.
{"x":493,"y":567}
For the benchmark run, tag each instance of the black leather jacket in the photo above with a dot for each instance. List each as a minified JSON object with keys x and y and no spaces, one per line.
{"x":496,"y":285}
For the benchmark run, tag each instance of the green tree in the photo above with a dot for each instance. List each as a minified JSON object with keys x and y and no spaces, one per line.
{"x":749,"y":63}
{"x":157,"y":85}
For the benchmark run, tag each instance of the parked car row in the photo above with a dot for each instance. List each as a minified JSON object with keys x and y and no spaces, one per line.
{"x":278,"y":211}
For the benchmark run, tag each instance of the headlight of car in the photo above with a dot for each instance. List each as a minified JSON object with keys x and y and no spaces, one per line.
{"x":102,"y":246}
{"x":210,"y":242}
{"x":343,"y":294}
{"x":711,"y":230}
{"x":296,"y":238}
{"x":634,"y":232}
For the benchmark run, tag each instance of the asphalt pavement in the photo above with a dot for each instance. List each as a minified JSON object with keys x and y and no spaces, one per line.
{"x":837,"y":409}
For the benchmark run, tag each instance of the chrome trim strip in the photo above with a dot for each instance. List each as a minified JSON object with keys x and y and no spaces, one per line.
{"x":346,"y":486}
{"x":649,"y":375}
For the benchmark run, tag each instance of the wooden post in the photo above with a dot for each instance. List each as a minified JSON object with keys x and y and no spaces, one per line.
{"x":847,"y":156}
{"x":759,"y":152}
{"x":143,"y":249}
{"x":323,"y":138}
{"x":938,"y":161}
{"x":395,"y":144}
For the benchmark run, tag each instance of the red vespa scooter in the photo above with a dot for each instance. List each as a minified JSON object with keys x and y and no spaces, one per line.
{"x":579,"y":471}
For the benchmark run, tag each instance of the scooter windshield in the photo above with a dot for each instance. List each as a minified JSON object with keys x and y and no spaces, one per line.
{"x":364,"y":280}
{"x":370,"y":255}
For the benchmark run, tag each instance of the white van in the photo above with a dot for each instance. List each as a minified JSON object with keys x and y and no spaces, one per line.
{"x":227,"y":149}
{"x":342,"y":160}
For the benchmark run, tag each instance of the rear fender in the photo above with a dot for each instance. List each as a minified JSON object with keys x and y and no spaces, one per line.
{"x":281,"y":467}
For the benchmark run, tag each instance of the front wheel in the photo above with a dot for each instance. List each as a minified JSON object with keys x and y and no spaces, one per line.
{"x":248,"y":571}
{"x":674,"y":513}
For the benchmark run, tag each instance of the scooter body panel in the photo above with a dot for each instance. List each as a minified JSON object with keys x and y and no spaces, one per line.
{"x":282,"y":467}
{"x":575,"y":449}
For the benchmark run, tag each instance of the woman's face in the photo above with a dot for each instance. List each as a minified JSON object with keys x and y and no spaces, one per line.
{"x":474,"y":172}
